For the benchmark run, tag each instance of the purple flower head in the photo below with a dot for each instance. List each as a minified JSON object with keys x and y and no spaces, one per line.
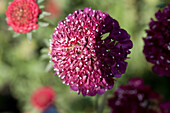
{"x":85,"y":59}
{"x":135,"y":97}
{"x":157,"y":42}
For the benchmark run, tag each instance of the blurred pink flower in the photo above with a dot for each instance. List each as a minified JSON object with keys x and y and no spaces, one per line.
{"x":43,"y":97}
{"x":53,"y":7}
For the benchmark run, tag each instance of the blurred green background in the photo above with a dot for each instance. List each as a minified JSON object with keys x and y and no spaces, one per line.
{"x":24,"y":64}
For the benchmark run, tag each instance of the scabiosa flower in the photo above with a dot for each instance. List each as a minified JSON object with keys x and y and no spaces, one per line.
{"x":22,"y":15}
{"x":43,"y":97}
{"x":82,"y":57}
{"x":157,"y":42}
{"x":135,"y":97}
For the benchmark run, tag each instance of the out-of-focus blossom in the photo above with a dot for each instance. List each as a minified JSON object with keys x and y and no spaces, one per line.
{"x":165,"y":107}
{"x":84,"y":57}
{"x":53,"y":7}
{"x":157,"y":42}
{"x":22,"y":15}
{"x":43,"y":97}
{"x":135,"y":97}
{"x":27,"y":112}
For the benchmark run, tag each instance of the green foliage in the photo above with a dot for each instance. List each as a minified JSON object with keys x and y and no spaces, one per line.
{"x":25,"y":65}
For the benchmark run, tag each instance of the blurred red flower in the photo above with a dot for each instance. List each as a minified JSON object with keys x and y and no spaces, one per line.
{"x":53,"y":7}
{"x":43,"y":97}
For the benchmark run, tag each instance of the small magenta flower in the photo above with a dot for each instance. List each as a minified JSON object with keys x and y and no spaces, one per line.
{"x":157,"y":42}
{"x":22,"y":15}
{"x":135,"y":97}
{"x":43,"y":97}
{"x":83,"y":57}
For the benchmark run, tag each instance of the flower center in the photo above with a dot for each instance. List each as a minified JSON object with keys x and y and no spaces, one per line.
{"x":21,"y":14}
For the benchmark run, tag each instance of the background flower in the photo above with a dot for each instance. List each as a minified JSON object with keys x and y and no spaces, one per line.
{"x":54,"y":8}
{"x":165,"y":107}
{"x":43,"y":97}
{"x":157,"y":42}
{"x":135,"y":97}
{"x":83,"y":57}
{"x":22,"y":15}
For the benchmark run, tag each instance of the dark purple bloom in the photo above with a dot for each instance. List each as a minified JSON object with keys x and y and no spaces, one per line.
{"x":165,"y":107}
{"x":85,"y":59}
{"x":157,"y":42}
{"x":135,"y":97}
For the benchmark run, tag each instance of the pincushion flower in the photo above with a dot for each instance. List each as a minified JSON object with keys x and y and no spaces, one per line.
{"x":135,"y":97}
{"x":157,"y":42}
{"x":22,"y":15}
{"x":43,"y":97}
{"x":82,"y":57}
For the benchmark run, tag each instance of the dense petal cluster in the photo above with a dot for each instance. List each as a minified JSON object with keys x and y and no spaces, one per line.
{"x":22,"y":15}
{"x":84,"y":57}
{"x":43,"y":97}
{"x":135,"y":97}
{"x":157,"y":42}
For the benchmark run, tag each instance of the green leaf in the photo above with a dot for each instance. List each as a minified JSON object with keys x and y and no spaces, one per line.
{"x":29,"y":36}
{"x":16,"y":34}
{"x":44,"y":50}
{"x":10,"y":28}
{"x":33,"y":31}
{"x":45,"y":57}
{"x":49,"y":67}
{"x":41,"y":6}
{"x":105,"y":36}
{"x":40,"y":1}
{"x":43,"y":24}
{"x":47,"y":42}
{"x":43,"y":14}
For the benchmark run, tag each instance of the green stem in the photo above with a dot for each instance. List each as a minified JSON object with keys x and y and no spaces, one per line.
{"x":101,"y":107}
{"x":96,"y":102}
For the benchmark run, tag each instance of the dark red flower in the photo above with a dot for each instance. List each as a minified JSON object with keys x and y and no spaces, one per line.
{"x":82,"y":57}
{"x":43,"y":97}
{"x":22,"y":15}
{"x":135,"y":97}
{"x":157,"y":42}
